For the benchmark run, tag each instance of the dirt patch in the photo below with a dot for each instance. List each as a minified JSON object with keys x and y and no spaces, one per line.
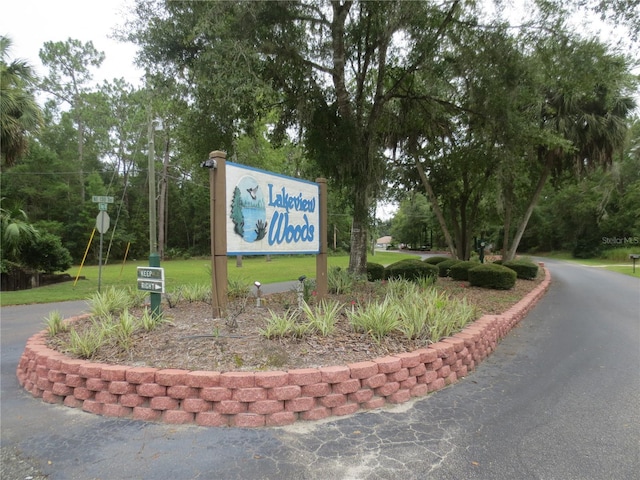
{"x":195,"y":340}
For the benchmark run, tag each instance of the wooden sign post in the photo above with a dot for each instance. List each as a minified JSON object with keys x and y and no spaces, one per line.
{"x":217,"y":192}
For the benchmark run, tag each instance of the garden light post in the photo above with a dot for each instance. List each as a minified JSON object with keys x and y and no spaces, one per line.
{"x":301,"y":279}
{"x":257,"y":284}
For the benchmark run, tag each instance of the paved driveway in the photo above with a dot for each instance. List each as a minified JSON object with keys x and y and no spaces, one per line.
{"x":559,"y":399}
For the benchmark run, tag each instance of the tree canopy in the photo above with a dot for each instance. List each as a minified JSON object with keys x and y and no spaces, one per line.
{"x":479,"y":126}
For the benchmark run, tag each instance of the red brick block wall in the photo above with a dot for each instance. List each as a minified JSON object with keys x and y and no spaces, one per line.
{"x":256,"y":399}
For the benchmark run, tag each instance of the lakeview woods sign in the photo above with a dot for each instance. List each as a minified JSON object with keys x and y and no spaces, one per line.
{"x":255,"y":212}
{"x":269,"y":213}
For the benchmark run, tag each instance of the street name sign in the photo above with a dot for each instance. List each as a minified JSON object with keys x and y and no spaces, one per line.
{"x":151,"y":279}
{"x":102,"y":199}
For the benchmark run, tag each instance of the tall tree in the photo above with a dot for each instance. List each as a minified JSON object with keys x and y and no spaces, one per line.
{"x":21,"y":115}
{"x":412,"y":223}
{"x":333,"y":65}
{"x":457,"y":124}
{"x":68,"y":81}
{"x":583,"y":105}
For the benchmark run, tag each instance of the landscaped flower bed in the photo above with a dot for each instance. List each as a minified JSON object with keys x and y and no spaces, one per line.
{"x":259,"y":398}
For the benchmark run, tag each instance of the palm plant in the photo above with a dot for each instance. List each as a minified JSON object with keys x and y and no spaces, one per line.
{"x":21,"y":113}
{"x":15,"y":233}
{"x":583,"y":116}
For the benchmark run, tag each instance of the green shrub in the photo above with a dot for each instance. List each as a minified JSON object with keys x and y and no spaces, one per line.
{"x":55,"y":323}
{"x":237,"y":288}
{"x":524,"y":269}
{"x":497,"y":262}
{"x":340,"y":281}
{"x":283,"y":325}
{"x":86,"y":343}
{"x":443,"y":267}
{"x":149,"y":321}
{"x":435,"y":260}
{"x":410,"y":269}
{"x":46,"y":254}
{"x":494,"y":276}
{"x":322,"y":317}
{"x":195,"y":293}
{"x":110,"y":301}
{"x":375,"y":271}
{"x":460,"y":271}
{"x":375,"y":319}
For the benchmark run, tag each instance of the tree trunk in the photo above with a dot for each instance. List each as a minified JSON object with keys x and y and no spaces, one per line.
{"x":436,"y":207}
{"x":507,"y":229}
{"x":358,"y":255}
{"x":457,"y":232}
{"x":511,"y":253}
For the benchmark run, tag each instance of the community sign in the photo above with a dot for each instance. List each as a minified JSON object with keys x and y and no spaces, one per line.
{"x":269,"y":213}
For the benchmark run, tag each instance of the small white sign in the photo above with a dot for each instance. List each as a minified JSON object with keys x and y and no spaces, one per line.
{"x":102,"y":199}
{"x":269,"y":213}
{"x":102,"y":222}
{"x":151,"y":286}
{"x":151,"y":279}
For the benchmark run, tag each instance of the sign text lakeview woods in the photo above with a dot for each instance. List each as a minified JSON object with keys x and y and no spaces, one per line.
{"x":269,"y":213}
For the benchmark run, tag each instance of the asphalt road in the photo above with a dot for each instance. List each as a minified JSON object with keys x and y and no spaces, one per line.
{"x":559,"y":399}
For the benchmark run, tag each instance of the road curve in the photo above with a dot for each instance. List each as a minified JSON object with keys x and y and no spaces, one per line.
{"x":559,"y":399}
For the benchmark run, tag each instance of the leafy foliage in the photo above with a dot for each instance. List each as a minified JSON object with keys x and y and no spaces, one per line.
{"x":55,"y":323}
{"x":491,"y":275}
{"x":322,"y":317}
{"x":524,"y":269}
{"x":21,"y":114}
{"x":375,"y":271}
{"x":460,"y":270}
{"x":109,"y":302}
{"x":410,"y":269}
{"x":46,"y":253}
{"x":376,"y":319}
{"x":283,"y":325}
{"x":443,"y":267}
{"x":435,"y":260}
{"x":340,"y":280}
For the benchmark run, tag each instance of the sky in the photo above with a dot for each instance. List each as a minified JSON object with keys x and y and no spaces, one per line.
{"x":31,"y":23}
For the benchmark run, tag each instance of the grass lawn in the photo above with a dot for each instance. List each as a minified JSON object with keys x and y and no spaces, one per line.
{"x":281,"y":268}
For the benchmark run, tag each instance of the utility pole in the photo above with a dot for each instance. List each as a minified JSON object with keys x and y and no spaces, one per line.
{"x":154,"y":257}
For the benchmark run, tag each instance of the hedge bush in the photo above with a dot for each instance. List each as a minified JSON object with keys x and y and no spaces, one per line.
{"x":490,"y":275}
{"x":375,"y":271}
{"x":46,"y":254}
{"x":410,"y":269}
{"x":443,"y":267}
{"x":460,"y":271}
{"x":524,"y":269}
{"x":435,"y":260}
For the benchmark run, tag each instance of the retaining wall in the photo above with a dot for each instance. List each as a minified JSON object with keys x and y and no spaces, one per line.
{"x":270,"y":398}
